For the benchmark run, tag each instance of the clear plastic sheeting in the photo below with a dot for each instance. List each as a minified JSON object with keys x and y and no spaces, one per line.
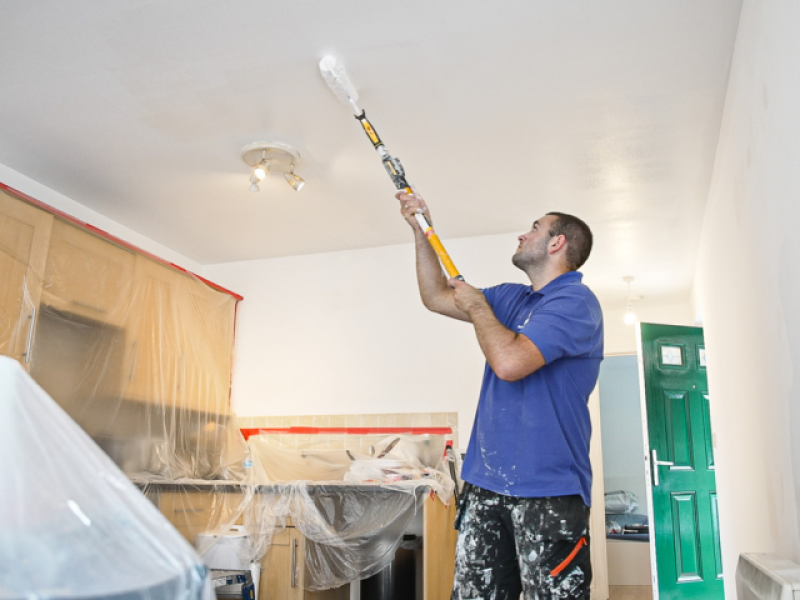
{"x":351,"y":528}
{"x":138,"y":354}
{"x":400,"y":461}
{"x":73,"y":525}
{"x":357,"y":533}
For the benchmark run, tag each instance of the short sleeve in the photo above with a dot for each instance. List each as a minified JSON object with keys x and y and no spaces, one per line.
{"x":566,"y":325}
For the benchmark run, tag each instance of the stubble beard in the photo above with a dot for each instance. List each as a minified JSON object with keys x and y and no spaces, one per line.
{"x":532,"y":259}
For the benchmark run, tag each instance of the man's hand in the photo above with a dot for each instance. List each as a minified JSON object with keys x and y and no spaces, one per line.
{"x":467,"y":298}
{"x":411,"y":204}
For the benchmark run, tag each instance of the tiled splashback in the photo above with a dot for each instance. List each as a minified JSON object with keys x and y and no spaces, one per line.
{"x":439,"y":419}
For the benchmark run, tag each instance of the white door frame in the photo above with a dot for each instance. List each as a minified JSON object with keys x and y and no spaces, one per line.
{"x":597,"y":519}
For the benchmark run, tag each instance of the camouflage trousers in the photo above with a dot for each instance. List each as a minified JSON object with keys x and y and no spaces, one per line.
{"x":535,"y":546}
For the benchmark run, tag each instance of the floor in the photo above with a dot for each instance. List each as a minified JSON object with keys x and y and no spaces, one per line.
{"x":630,"y":592}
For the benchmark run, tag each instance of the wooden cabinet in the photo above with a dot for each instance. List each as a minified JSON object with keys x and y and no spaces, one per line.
{"x":151,"y":326}
{"x":24,"y":232}
{"x":199,"y":511}
{"x":206,"y":348}
{"x":176,"y":331}
{"x":87,"y":275}
{"x":283,"y":571}
{"x":282,"y":568}
{"x":179,"y":340}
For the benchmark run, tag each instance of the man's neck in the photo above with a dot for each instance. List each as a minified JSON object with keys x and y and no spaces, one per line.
{"x":540,"y":278}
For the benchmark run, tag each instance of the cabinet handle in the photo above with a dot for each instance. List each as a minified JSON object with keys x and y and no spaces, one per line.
{"x":294,"y":563}
{"x":657,"y":463}
{"x":133,"y":362}
{"x":27,"y":353}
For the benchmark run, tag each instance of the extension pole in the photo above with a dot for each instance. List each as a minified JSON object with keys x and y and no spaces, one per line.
{"x":398,"y":175}
{"x":337,"y":80}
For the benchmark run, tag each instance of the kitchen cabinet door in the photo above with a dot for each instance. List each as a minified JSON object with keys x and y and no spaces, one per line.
{"x":152,"y":362}
{"x":193,"y":512}
{"x":282,"y":567}
{"x":179,"y":340}
{"x":24,"y":231}
{"x":206,"y":347}
{"x":87,"y":275}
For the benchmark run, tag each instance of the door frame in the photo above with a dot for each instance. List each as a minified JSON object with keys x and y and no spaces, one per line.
{"x":597,"y":518}
{"x":646,"y":451}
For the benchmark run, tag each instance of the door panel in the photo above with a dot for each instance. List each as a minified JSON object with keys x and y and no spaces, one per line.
{"x":24,"y":231}
{"x":684,"y":516}
{"x":681,"y":462}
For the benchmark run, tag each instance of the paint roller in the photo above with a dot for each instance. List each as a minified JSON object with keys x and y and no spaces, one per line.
{"x":337,"y":80}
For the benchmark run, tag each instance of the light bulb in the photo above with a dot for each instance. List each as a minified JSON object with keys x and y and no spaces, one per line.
{"x":630,"y":316}
{"x":254,"y":187}
{"x":260,"y":170}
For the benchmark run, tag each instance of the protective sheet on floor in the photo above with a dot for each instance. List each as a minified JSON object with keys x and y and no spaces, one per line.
{"x":73,"y":525}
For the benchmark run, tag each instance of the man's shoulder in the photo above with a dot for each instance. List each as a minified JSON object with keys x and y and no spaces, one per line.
{"x":504,"y":292}
{"x":571,"y":284}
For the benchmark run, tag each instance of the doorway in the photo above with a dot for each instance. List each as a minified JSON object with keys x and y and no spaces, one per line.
{"x":624,"y":478}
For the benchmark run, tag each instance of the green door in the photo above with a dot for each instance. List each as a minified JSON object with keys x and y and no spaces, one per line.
{"x":681,"y":463}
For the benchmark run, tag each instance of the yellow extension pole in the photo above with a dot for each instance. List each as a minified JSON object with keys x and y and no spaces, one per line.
{"x":437,"y":246}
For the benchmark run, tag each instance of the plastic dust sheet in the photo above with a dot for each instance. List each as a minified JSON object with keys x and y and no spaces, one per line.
{"x":352,"y":524}
{"x":73,"y":525}
{"x":138,"y":354}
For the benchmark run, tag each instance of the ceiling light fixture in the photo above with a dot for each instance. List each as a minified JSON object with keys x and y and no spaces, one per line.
{"x":293,"y":180}
{"x":261,"y":156}
{"x":630,"y":316}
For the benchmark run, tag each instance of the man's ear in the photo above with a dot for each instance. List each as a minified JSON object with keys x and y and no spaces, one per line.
{"x":557,"y":242}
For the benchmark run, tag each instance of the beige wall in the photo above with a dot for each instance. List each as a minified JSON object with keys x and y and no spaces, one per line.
{"x":748,"y":289}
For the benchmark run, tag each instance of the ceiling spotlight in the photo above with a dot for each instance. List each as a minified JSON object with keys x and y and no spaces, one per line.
{"x":254,"y":183}
{"x":260,"y":170}
{"x":263,"y":156}
{"x":296,"y":182}
{"x":630,"y":316}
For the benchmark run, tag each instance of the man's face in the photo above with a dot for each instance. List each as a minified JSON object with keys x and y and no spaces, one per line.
{"x":532,"y":249}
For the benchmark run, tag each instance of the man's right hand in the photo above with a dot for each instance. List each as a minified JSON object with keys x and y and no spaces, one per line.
{"x":411,"y":204}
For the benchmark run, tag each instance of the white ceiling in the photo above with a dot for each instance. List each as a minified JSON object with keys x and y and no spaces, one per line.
{"x":500,"y":112}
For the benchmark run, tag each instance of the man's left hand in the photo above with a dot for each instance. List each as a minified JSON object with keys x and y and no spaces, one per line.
{"x":466,"y":297}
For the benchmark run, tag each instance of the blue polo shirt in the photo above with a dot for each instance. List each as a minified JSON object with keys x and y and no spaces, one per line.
{"x":531,"y":437}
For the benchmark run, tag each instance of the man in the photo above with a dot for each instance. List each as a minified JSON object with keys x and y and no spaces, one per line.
{"x":524,"y":515}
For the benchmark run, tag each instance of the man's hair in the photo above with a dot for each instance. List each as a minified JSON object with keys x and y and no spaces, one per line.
{"x":579,"y":238}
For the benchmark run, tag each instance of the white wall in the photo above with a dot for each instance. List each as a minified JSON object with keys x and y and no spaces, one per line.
{"x":748,"y":289}
{"x":73,"y":208}
{"x":621,"y":338}
{"x":346,"y":333}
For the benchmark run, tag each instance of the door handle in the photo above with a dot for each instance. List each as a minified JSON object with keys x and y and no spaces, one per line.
{"x":29,"y":344}
{"x":294,"y":563}
{"x":659,"y":463}
{"x":133,"y":361}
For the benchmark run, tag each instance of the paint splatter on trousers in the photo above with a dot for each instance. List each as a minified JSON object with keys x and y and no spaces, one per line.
{"x":508,"y":545}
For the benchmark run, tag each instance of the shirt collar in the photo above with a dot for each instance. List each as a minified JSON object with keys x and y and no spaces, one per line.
{"x":559,"y":282}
